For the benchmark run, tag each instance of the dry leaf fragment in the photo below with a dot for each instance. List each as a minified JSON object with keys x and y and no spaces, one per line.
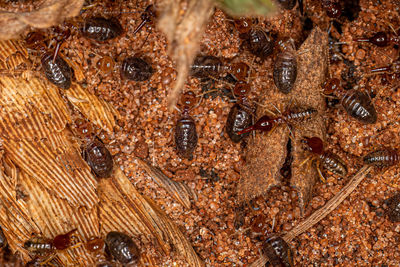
{"x":123,"y":208}
{"x":183,"y":34}
{"x":50,"y":13}
{"x":266,"y":153}
{"x":180,"y":191}
{"x":93,"y":108}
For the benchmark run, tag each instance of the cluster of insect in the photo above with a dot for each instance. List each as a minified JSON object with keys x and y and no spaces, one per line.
{"x":240,"y":121}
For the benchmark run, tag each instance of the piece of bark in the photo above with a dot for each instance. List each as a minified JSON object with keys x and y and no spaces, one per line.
{"x":266,"y":152}
{"x":50,"y":13}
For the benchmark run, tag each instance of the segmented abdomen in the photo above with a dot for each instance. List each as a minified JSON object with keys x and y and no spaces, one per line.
{"x":359,"y":106}
{"x":239,"y":118}
{"x":333,"y":164}
{"x":186,"y":137}
{"x":206,"y":67}
{"x":57,"y":72}
{"x":278,"y":252}
{"x":382,"y":158}
{"x":300,"y":115}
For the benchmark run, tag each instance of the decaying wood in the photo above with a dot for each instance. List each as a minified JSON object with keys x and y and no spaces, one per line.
{"x":266,"y":152}
{"x":123,"y":208}
{"x":179,"y":191}
{"x":93,"y":108}
{"x":322,"y":212}
{"x":50,"y":13}
{"x":183,"y":33}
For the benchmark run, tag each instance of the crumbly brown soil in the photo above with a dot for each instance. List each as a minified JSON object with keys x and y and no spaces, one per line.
{"x":357,"y":233}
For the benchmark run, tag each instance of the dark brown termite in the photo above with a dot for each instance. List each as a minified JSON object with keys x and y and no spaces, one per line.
{"x":393,"y":211}
{"x":382,"y":158}
{"x":148,"y":16}
{"x":122,"y":248}
{"x":136,"y":69}
{"x":357,"y":104}
{"x":324,"y":159}
{"x":259,"y":42}
{"x":185,"y":129}
{"x":241,"y":114}
{"x":278,"y":252}
{"x":206,"y":66}
{"x":285,"y":68}
{"x":39,"y":246}
{"x":267,"y":123}
{"x":94,"y":152}
{"x":55,"y":68}
{"x":381,"y":39}
{"x":101,"y":29}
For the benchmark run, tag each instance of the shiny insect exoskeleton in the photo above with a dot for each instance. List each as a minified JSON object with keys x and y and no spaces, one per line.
{"x":393,"y":68}
{"x":55,"y":68}
{"x":101,"y":29}
{"x":382,"y":158}
{"x":136,"y":69}
{"x":278,"y":252}
{"x":393,"y":211}
{"x":357,"y":104}
{"x":105,"y":64}
{"x":259,"y":42}
{"x":381,"y":39}
{"x":207,"y":66}
{"x":185,"y":129}
{"x":147,"y":16}
{"x":57,"y":71}
{"x":285,"y":68}
{"x":267,"y":123}
{"x":94,"y":152}
{"x":332,"y":8}
{"x":324,"y":159}
{"x":122,"y":248}
{"x":3,"y":239}
{"x":241,"y":114}
{"x":43,"y":246}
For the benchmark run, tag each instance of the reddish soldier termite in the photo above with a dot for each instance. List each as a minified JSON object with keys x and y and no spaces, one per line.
{"x":328,"y":161}
{"x":357,"y":104}
{"x":43,"y":247}
{"x":241,"y":114}
{"x":267,"y":123}
{"x":185,"y":130}
{"x":381,"y":39}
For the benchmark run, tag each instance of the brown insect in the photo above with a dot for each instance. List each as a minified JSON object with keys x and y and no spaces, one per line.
{"x":357,"y":104}
{"x":268,"y":123}
{"x":278,"y":251}
{"x":324,"y":159}
{"x":382,"y":158}
{"x":105,"y":64}
{"x":94,"y":152}
{"x":285,"y":68}
{"x":207,"y":66}
{"x":95,"y":246}
{"x":122,"y":248}
{"x":381,"y":39}
{"x":101,"y":29}
{"x":241,"y":114}
{"x":136,"y":69}
{"x":55,"y":68}
{"x":185,"y":129}
{"x":147,"y":16}
{"x":393,"y":211}
{"x":44,"y":247}
{"x":259,"y":42}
